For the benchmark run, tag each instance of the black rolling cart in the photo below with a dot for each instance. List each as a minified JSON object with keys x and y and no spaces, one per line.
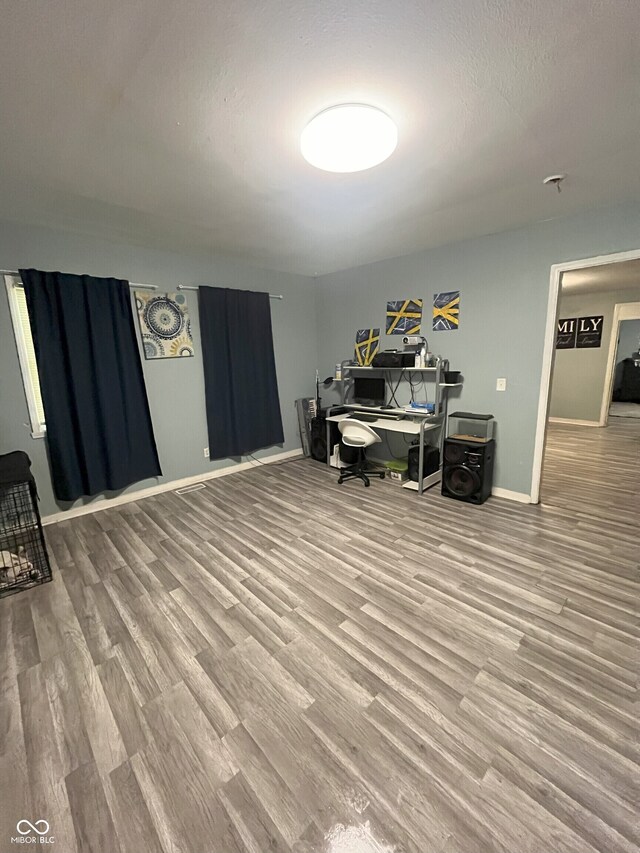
{"x":24,"y":561}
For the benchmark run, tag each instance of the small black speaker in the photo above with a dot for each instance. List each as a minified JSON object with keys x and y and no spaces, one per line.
{"x":467,"y":474}
{"x":430,"y":462}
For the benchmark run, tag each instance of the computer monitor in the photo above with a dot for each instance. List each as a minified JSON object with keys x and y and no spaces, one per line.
{"x":368,"y":391}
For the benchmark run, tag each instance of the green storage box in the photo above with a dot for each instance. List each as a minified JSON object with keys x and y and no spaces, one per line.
{"x":397,"y":469}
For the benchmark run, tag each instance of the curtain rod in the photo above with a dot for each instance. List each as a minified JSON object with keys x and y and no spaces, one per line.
{"x":271,"y":295}
{"x":146,"y":286}
{"x":131,"y":283}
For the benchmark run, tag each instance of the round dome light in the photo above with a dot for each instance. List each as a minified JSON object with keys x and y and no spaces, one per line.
{"x":348,"y":138}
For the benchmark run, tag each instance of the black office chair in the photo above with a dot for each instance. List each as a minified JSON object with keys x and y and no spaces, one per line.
{"x":359,"y":435}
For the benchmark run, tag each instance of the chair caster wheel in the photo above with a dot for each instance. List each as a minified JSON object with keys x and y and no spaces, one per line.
{"x":382,"y":476}
{"x":340,"y":481}
{"x":366,"y":485}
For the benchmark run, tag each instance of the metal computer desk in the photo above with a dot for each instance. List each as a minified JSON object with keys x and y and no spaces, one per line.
{"x":413,"y":423}
{"x":409,"y":425}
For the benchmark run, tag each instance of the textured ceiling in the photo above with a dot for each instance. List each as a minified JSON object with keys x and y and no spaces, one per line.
{"x":176,"y":124}
{"x":624,"y":275}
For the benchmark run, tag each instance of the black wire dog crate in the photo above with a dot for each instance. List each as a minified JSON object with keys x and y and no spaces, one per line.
{"x":24,"y":561}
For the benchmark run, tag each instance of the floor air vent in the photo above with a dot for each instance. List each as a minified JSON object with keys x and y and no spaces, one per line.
{"x":194,"y":488}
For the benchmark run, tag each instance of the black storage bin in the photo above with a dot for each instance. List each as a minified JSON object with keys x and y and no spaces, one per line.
{"x":24,"y":561}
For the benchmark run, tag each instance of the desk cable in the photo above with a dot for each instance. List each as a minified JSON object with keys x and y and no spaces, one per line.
{"x":417,"y":385}
{"x":393,"y":390}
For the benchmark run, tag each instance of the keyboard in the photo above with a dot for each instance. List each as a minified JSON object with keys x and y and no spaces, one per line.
{"x":380,"y":416}
{"x":362,"y":416}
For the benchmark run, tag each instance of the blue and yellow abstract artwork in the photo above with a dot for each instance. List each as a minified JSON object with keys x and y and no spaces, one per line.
{"x":367,"y":345}
{"x":164,"y":325}
{"x":404,"y":317}
{"x":446,"y":311}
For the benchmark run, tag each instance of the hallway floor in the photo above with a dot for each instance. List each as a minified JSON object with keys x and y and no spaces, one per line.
{"x":624,"y":410}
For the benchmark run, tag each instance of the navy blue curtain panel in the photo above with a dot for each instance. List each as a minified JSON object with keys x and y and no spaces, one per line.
{"x":241,"y":388}
{"x":99,"y":431}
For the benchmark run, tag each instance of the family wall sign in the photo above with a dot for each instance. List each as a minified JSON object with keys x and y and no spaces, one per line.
{"x":580,"y":332}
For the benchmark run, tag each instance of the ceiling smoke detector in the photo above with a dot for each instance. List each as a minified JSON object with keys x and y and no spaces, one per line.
{"x":555,"y":181}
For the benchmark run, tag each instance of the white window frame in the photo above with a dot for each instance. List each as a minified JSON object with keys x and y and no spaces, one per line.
{"x":38,"y":428}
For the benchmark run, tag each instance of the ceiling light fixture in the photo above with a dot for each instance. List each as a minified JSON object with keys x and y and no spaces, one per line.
{"x":348,"y":138}
{"x":555,"y":181}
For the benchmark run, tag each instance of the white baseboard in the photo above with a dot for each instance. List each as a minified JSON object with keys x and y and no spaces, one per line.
{"x":574,"y":422}
{"x":520,"y":497}
{"x":108,"y":503}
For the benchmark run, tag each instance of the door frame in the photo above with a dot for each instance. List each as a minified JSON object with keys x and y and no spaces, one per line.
{"x":548,"y":354}
{"x":622,"y":311}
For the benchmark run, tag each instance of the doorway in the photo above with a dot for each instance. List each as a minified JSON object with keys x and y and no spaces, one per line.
{"x":580,"y":355}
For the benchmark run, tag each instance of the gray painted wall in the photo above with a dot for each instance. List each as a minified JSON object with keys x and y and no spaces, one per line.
{"x":628,"y":339}
{"x":579,"y":375}
{"x":504,"y":281}
{"x":175,"y":387}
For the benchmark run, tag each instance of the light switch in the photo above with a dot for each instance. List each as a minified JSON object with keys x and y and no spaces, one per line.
{"x":501,"y":384}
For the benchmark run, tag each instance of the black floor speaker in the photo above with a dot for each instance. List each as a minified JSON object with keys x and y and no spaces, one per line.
{"x":467,"y":474}
{"x":318,"y":441}
{"x":430,"y":462}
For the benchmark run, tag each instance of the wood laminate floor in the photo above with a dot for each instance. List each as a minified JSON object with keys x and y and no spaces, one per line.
{"x":624,"y":410}
{"x":279,"y":663}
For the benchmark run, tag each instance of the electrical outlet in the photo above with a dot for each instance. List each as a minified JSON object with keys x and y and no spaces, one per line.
{"x":501,"y":384}
{"x":206,"y":453}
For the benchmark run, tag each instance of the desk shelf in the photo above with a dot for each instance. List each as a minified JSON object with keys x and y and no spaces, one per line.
{"x":427,"y":482}
{"x":450,"y":384}
{"x":405,"y":425}
{"x":402,"y":369}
